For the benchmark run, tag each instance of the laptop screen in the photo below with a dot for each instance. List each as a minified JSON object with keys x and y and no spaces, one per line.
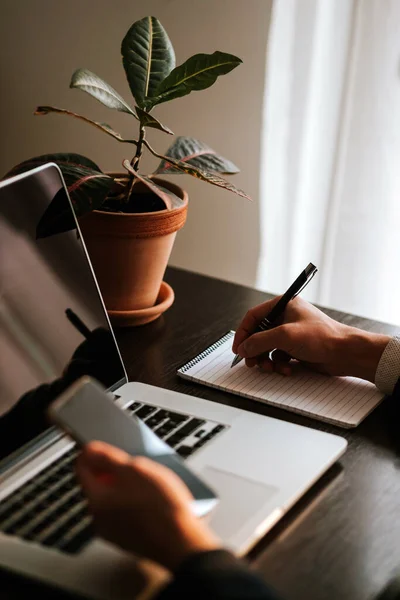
{"x":53,"y":327}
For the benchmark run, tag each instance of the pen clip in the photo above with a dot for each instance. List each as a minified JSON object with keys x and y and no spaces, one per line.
{"x":265,"y":324}
{"x":307,"y":281}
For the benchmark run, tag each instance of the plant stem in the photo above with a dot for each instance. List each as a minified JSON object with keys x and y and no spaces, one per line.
{"x":139,"y":149}
{"x":136,"y":159}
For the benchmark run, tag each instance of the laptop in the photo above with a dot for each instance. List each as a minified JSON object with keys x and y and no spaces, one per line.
{"x":258,"y":466}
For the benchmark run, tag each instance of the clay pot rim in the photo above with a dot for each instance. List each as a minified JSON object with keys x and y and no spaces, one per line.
{"x":137,"y":225}
{"x":183,"y":195}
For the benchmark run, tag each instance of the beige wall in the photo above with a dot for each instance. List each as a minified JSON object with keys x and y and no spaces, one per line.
{"x":44,"y":42}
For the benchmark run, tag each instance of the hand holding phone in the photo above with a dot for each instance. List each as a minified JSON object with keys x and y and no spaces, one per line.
{"x":145,"y":509}
{"x":87,"y":413}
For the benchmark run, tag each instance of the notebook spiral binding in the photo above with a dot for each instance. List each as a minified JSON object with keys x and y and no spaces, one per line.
{"x":207,"y":351}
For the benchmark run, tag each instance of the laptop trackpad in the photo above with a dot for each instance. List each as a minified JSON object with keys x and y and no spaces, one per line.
{"x":240,"y":499}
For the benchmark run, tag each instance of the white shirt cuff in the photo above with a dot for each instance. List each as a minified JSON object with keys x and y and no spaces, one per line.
{"x":388,"y":371}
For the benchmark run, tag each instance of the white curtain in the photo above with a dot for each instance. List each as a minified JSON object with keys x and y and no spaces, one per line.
{"x":330,"y":173}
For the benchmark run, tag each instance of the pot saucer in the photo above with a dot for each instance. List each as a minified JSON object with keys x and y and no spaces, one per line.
{"x":133,"y":318}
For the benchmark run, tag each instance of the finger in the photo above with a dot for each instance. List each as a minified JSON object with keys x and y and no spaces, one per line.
{"x":283,"y":368}
{"x":265,"y":364}
{"x":251,"y":321}
{"x":262,"y":362}
{"x":266,"y":341}
{"x":94,"y":488}
{"x":280,"y":356}
{"x":98,"y":465}
{"x":251,"y":362}
{"x":162,"y":477}
{"x":101,"y":457}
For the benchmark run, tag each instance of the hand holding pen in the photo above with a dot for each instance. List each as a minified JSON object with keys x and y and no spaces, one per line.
{"x":270,"y":320}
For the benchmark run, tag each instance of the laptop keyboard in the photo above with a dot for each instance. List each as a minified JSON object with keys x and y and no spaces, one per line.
{"x":50,"y":509}
{"x":184,"y":433}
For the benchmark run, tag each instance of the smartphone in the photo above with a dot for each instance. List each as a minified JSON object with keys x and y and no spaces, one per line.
{"x":86,"y":412}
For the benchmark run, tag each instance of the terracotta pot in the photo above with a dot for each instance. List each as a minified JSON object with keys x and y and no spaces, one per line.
{"x":130,"y":252}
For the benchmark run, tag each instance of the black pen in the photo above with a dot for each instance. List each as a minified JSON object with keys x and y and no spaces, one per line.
{"x":77,"y":323}
{"x":297,"y":286}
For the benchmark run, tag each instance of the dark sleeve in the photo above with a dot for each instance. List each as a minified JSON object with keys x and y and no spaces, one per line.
{"x":216,"y":575}
{"x":27,"y":418}
{"x":396,"y":391}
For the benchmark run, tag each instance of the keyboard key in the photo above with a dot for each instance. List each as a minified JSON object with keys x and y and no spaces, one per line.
{"x":163,"y":414}
{"x":58,"y":532}
{"x":165,"y":429}
{"x":218,"y":428}
{"x":173,"y":440}
{"x":177,"y":418}
{"x":77,"y":537}
{"x":145,"y":411}
{"x":199,"y":444}
{"x":9,"y":508}
{"x":185,"y":451}
{"x":59,"y":524}
{"x":156,"y":419}
{"x":183,"y":432}
{"x":189,"y":427}
{"x":213,"y":433}
{"x":7,"y":511}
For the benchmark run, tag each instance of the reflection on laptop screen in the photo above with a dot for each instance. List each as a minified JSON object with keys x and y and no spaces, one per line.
{"x":53,"y":328}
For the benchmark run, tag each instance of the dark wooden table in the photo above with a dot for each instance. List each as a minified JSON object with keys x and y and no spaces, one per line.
{"x":342,"y":540}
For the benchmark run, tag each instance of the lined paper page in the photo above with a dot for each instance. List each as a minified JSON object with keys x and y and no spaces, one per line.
{"x":344,"y":401}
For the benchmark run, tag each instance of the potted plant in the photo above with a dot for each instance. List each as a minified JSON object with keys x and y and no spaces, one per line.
{"x":129,"y":220}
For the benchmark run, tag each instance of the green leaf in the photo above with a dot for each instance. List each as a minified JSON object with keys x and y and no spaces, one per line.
{"x":202,"y":174}
{"x":85,"y":80}
{"x":197,"y":73}
{"x":60,"y":158}
{"x":87,"y":189}
{"x":148,"y":120}
{"x":87,"y":186}
{"x":196,"y":153}
{"x":175,"y":201}
{"x":45,"y":110}
{"x":148,"y":57}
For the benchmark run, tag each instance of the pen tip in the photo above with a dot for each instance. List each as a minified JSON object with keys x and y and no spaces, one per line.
{"x":236,"y":360}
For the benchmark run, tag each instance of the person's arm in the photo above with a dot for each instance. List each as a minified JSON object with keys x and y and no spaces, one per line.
{"x":144,"y":508}
{"x":310,"y":336}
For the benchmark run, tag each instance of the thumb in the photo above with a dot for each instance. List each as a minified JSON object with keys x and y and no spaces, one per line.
{"x":251,"y":320}
{"x":99,"y":464}
{"x":99,"y":456}
{"x":266,"y":341}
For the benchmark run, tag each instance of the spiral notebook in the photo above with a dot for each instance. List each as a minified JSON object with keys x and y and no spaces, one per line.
{"x":343,"y":401}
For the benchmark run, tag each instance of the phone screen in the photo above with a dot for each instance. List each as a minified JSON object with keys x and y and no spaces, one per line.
{"x":87,"y":413}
